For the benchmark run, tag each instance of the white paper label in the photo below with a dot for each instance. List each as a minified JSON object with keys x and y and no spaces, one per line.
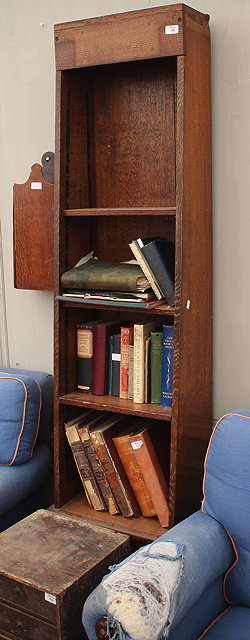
{"x":116,"y":356}
{"x":36,"y":185}
{"x":171,"y":28}
{"x":50,"y":598}
{"x":188,"y":304}
{"x":137,"y":445}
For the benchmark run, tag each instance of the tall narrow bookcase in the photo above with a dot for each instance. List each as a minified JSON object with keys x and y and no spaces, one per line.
{"x":133,"y":159}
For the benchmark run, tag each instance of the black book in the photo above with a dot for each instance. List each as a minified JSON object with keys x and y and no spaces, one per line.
{"x":160,"y":256}
{"x":115,"y":363}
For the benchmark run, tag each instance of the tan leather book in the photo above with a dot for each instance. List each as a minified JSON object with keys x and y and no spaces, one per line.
{"x":147,"y":448}
{"x":134,"y":473}
{"x":106,"y":452}
{"x":85,"y":471}
{"x":99,"y":473}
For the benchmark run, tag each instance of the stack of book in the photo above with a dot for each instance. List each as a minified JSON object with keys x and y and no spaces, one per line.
{"x":132,"y":361}
{"x":122,"y":463}
{"x":156,"y":256}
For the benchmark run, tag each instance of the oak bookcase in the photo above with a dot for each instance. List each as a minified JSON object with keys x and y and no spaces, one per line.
{"x":133,"y":158}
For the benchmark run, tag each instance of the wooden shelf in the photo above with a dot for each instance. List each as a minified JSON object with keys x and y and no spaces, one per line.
{"x":142,"y":529}
{"x":117,"y":405}
{"x":163,"y":309}
{"x":138,"y":211}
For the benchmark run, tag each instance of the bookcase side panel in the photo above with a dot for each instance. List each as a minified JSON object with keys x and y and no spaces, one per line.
{"x":192,"y":410}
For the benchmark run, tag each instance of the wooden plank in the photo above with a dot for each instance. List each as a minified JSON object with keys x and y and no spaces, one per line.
{"x":117,"y":405}
{"x":125,"y":36}
{"x":33,"y":212}
{"x":142,"y":529}
{"x":138,"y":211}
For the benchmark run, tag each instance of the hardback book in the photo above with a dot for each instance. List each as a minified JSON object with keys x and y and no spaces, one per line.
{"x":131,"y":372}
{"x":119,"y":296}
{"x":133,"y":471}
{"x":115,"y":363}
{"x":136,"y":250}
{"x":101,"y":334}
{"x":99,"y":473}
{"x":167,"y":365}
{"x":141,"y":332}
{"x":127,"y":337}
{"x":156,"y":366}
{"x":160,"y":256}
{"x":108,"y":276}
{"x":90,"y":485}
{"x":148,"y":445}
{"x":84,"y":357}
{"x":147,"y":370}
{"x":101,"y":437}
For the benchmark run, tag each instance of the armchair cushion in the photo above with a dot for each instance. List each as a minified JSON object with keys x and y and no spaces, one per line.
{"x":20,"y":408}
{"x":226,"y":489}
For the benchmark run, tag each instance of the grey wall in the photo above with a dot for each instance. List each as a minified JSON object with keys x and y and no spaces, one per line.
{"x":27,"y":74}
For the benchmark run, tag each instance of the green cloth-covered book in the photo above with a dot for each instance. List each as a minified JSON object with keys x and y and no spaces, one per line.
{"x":113,"y":276}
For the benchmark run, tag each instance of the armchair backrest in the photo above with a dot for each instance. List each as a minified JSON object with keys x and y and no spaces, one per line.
{"x":226,"y":488}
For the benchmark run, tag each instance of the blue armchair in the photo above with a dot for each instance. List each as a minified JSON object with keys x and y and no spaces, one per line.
{"x":26,"y":399}
{"x":194,"y":581}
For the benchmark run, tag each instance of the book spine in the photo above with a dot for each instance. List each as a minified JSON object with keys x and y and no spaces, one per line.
{"x":131,"y":372}
{"x":110,"y":365}
{"x":127,"y":335}
{"x":122,"y":494}
{"x":89,"y":484}
{"x":99,"y":472}
{"x":100,"y":361}
{"x":84,"y":357}
{"x":116,"y":358}
{"x":134,"y":475}
{"x":167,"y":365}
{"x":153,"y":475}
{"x":147,"y":371}
{"x":139,"y":356}
{"x":136,"y":250}
{"x":160,"y":259}
{"x":156,"y":366}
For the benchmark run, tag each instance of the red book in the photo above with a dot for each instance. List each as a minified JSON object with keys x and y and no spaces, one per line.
{"x":127,"y":337}
{"x":148,"y":447}
{"x":101,"y":335}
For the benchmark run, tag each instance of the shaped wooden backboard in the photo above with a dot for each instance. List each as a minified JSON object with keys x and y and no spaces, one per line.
{"x":33,"y":212}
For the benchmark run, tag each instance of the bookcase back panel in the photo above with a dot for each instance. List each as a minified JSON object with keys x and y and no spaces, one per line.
{"x":119,"y":136}
{"x":134,"y":138}
{"x":113,"y":234}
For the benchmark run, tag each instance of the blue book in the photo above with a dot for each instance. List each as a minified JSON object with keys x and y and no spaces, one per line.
{"x":167,"y":365}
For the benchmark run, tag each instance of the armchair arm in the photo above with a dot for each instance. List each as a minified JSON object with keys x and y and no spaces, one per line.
{"x":198,"y":550}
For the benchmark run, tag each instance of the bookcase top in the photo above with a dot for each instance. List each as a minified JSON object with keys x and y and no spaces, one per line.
{"x":121,"y":37}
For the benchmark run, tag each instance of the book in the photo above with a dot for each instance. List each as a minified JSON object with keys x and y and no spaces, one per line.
{"x":127,"y":337}
{"x":160,"y":256}
{"x":151,"y":452}
{"x":131,"y":372}
{"x":108,"y":276}
{"x":85,"y":471}
{"x":84,"y":356}
{"x":115,"y":363}
{"x":141,"y":332}
{"x":143,"y":304}
{"x":136,"y":250}
{"x":101,"y":437}
{"x":156,"y":366}
{"x":167,"y":365}
{"x":134,"y":473}
{"x":121,"y":296}
{"x":147,"y":370}
{"x":101,"y":334}
{"x":99,"y":473}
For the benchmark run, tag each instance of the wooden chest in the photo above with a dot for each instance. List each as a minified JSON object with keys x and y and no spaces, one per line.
{"x":49,"y":563}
